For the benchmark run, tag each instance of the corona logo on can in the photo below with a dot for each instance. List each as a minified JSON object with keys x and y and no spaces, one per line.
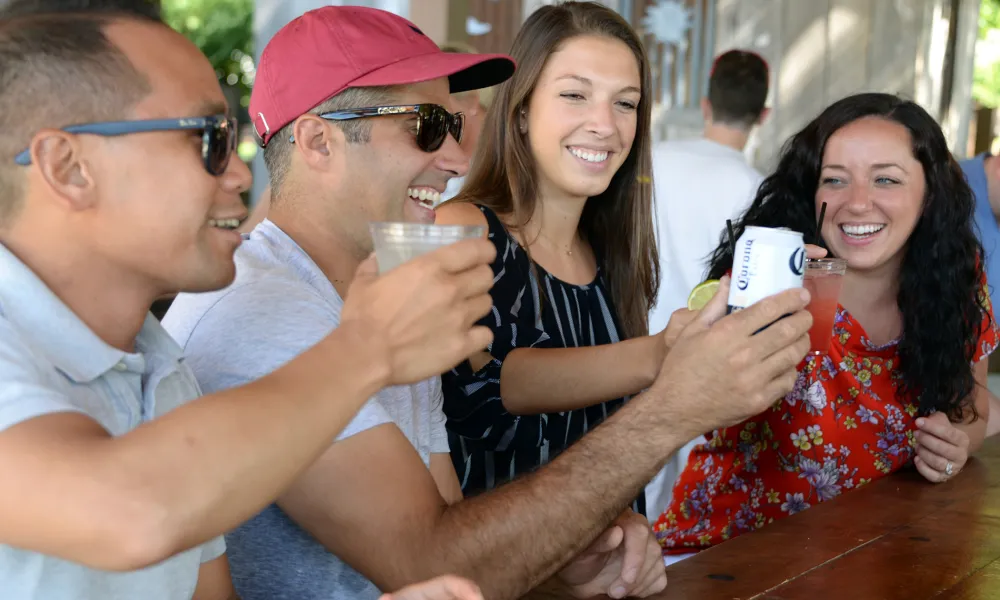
{"x":767,"y":261}
{"x":797,"y":262}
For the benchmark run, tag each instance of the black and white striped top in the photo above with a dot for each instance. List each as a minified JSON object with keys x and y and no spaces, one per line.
{"x":490,"y":446}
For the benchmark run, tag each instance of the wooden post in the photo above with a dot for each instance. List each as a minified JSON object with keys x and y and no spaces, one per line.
{"x":458,"y":10}
{"x":984,"y":130}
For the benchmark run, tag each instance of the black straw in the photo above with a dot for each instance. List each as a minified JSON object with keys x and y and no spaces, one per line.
{"x":732,"y":238}
{"x":819,"y":224}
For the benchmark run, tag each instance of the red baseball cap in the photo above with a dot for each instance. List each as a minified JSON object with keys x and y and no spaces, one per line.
{"x":330,"y":49}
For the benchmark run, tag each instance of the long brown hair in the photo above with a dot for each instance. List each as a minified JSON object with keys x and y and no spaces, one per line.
{"x":618,"y":223}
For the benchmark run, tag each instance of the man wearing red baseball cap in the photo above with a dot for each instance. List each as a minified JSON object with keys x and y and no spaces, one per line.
{"x":349,"y":103}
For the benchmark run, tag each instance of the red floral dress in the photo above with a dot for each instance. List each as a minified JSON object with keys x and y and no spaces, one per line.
{"x":842,"y":426}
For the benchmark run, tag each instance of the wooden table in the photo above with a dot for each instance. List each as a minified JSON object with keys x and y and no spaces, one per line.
{"x":897,"y":538}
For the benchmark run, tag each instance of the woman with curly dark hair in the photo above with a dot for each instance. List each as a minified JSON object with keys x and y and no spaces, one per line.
{"x":905,"y":376}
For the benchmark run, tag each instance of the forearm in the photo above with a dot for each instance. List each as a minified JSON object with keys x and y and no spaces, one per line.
{"x":536,"y":524}
{"x":548,"y":380}
{"x":982,"y":402}
{"x":213,"y":463}
{"x":977,"y":430}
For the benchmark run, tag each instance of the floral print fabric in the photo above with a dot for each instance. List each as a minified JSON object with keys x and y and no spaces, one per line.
{"x":844,"y":424}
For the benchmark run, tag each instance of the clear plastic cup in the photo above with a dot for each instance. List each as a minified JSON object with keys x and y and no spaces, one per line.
{"x":396,"y":243}
{"x":823,"y":279}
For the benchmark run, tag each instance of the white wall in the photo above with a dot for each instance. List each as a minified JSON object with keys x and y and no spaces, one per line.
{"x":822,"y":50}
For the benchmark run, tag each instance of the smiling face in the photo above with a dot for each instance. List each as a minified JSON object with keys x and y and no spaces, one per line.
{"x":188,"y":217}
{"x":581,"y":118}
{"x":390,"y":178}
{"x":874,"y":189}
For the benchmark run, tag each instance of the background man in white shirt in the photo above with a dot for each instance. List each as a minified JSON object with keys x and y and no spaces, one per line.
{"x":699,"y":184}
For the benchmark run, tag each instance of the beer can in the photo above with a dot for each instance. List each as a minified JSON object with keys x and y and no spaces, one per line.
{"x":767,"y":261}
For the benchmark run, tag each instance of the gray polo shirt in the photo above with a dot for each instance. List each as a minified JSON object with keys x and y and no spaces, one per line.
{"x":51,"y":362}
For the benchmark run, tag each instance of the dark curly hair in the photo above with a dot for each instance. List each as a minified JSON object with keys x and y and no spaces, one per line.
{"x":940,"y":286}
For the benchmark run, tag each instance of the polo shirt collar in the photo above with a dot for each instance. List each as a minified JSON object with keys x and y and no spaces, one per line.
{"x":55,"y":330}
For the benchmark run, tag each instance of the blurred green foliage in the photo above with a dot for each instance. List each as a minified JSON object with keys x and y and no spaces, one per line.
{"x":986,"y":81}
{"x":223,"y":29}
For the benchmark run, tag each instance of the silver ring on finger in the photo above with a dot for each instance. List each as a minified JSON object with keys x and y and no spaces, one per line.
{"x":949,"y":469}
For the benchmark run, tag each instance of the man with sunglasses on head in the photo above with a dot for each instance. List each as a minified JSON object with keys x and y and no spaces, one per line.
{"x":118,"y":185}
{"x":347,"y":104}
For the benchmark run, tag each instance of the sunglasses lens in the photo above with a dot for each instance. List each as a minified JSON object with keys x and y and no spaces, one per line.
{"x":456,"y":127}
{"x":220,"y":141}
{"x":433,"y":127}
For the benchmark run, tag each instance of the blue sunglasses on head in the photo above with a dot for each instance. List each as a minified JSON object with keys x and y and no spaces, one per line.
{"x":218,"y":140}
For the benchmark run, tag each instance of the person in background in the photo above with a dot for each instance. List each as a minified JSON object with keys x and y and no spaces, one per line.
{"x":905,"y":376}
{"x":699,"y":184}
{"x":982,"y":172}
{"x":382,"y":507}
{"x":116,"y":479}
{"x":473,"y":104}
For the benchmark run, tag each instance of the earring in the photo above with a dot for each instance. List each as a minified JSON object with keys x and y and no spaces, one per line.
{"x":524,"y":121}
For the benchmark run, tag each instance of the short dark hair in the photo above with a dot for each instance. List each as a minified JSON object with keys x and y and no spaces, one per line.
{"x":143,"y":9}
{"x":278,"y":152}
{"x":57,"y":70}
{"x":737,"y":88}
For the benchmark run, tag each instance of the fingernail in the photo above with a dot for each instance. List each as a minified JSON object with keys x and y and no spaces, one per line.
{"x":804,"y":294}
{"x":920,"y":422}
{"x":618,"y":591}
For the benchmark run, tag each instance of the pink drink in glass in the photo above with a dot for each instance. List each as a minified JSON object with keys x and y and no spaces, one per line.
{"x":823,"y":279}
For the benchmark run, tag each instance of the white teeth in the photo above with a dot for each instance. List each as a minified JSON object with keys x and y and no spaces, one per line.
{"x":427,"y":197}
{"x":224,"y":223}
{"x":589,"y":156}
{"x":861,"y":230}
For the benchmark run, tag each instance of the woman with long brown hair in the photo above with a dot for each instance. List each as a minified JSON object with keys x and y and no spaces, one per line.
{"x":561,"y":180}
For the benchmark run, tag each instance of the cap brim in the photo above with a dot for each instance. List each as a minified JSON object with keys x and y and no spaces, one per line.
{"x":464,"y":71}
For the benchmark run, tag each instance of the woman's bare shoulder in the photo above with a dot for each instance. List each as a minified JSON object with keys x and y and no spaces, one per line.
{"x":459,"y":213}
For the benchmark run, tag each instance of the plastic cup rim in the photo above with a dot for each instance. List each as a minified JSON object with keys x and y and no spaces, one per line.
{"x":397,"y":228}
{"x":833,"y":266}
{"x":424,"y":233}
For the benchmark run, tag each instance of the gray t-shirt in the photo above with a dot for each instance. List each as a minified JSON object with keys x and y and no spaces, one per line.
{"x":51,"y":362}
{"x":280,"y":305}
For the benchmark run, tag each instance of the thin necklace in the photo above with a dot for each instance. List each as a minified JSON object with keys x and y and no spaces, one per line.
{"x":568,"y":251}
